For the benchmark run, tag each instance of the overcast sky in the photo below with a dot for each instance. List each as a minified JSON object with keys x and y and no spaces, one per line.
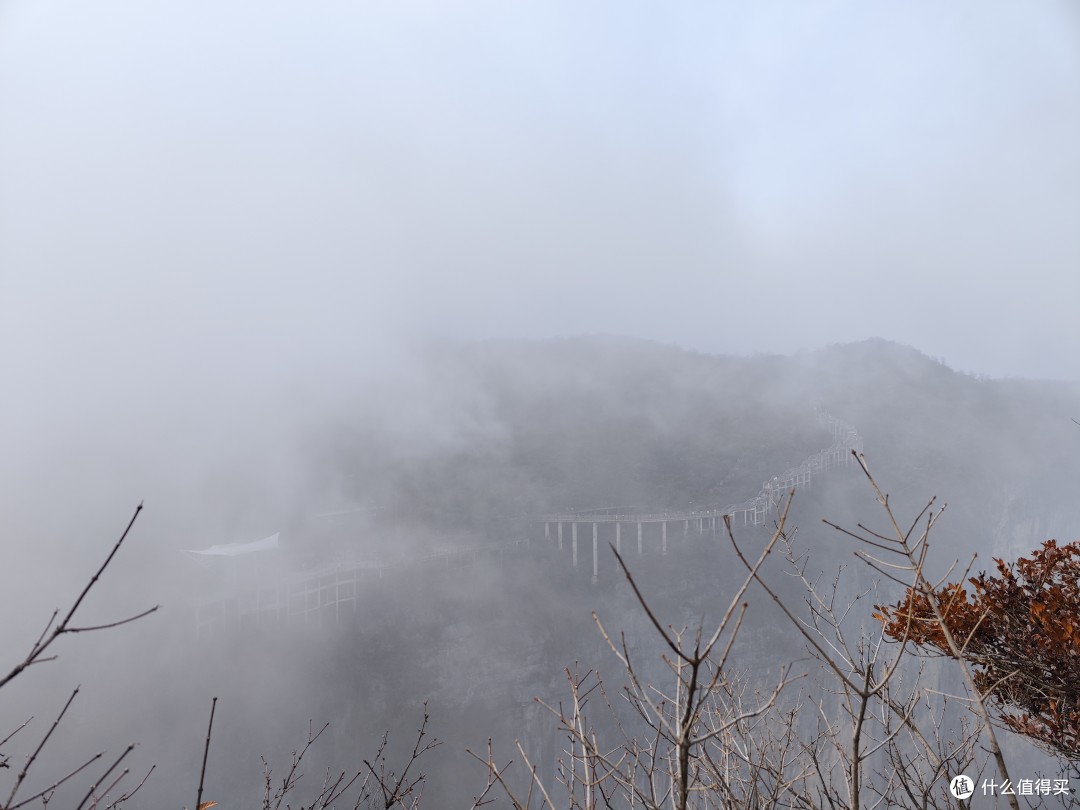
{"x":199,"y":199}
{"x":203,"y":183}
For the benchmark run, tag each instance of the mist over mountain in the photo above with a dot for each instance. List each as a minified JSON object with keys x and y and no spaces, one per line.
{"x":492,"y":431}
{"x":398,"y":315}
{"x":462,"y":445}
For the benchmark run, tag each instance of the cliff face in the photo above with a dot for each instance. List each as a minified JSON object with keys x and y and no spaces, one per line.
{"x":1022,"y":521}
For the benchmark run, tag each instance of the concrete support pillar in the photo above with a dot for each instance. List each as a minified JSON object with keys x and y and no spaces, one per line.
{"x":547,"y":530}
{"x":686,"y":527}
{"x":639,"y":538}
{"x":663,"y":535}
{"x":595,"y":555}
{"x":701,"y":525}
{"x":560,"y":535}
{"x":573,"y":535}
{"x":618,"y":540}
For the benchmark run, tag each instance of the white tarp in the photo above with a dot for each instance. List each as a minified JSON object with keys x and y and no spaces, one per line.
{"x":238,"y":549}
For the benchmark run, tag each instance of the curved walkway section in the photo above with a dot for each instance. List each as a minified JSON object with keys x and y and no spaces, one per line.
{"x":332,"y":593}
{"x":754,"y":511}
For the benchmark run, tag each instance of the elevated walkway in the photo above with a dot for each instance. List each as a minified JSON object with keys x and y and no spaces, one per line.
{"x":331,"y":593}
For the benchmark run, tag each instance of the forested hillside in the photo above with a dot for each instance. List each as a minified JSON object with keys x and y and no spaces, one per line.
{"x":478,"y":433}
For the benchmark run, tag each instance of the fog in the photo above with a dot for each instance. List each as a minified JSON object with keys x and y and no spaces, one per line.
{"x":261,"y":261}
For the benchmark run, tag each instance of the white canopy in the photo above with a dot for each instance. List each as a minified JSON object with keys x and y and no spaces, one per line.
{"x":238,"y":549}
